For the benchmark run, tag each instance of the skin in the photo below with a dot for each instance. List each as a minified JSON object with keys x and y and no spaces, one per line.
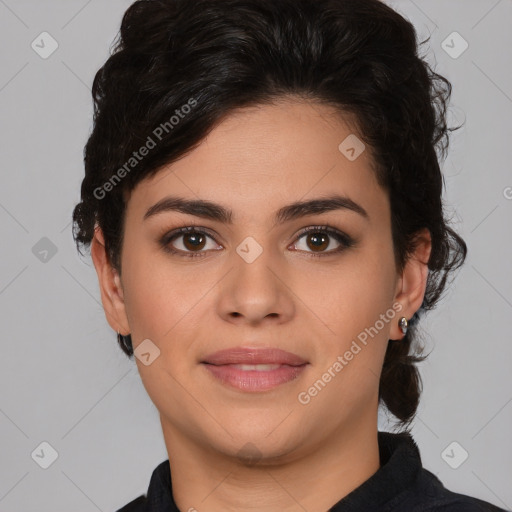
{"x":255,"y":161}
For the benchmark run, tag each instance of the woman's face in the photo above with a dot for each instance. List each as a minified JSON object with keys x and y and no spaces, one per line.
{"x":256,"y":281}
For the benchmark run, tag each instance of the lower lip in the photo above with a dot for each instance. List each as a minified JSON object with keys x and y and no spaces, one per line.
{"x":254,"y":380}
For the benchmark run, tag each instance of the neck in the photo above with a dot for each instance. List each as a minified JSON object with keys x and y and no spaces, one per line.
{"x":205,"y":479}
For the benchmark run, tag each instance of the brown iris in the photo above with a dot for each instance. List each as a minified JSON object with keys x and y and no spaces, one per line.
{"x":197,"y":241}
{"x":319,"y":240}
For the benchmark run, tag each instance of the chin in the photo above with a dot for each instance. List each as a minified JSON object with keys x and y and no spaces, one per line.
{"x":254,"y":446}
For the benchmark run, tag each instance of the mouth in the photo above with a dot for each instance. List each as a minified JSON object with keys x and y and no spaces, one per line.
{"x":254,"y":370}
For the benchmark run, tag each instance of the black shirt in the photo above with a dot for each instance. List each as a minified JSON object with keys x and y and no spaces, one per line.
{"x":400,"y":484}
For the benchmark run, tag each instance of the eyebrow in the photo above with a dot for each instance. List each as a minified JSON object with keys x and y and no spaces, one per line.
{"x":214,"y":211}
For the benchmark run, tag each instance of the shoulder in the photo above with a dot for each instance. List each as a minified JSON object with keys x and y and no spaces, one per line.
{"x":137,"y":505}
{"x":430,"y":495}
{"x":159,"y":493}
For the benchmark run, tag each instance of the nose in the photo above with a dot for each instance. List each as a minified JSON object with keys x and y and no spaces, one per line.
{"x":256,"y":290}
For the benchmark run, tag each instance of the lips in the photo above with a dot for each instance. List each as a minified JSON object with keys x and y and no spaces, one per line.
{"x":249,"y":356}
{"x":254,"y":370}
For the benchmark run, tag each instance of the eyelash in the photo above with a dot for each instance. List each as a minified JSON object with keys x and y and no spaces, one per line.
{"x":345,"y":240}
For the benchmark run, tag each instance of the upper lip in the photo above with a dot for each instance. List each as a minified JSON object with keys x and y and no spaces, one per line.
{"x":245,"y":355}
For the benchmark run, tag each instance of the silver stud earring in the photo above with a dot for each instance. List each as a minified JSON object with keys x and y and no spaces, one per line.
{"x":402,"y":323}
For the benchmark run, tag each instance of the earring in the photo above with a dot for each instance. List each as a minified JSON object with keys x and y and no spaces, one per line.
{"x":402,"y":323}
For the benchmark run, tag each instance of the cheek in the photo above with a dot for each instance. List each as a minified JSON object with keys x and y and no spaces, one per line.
{"x":353,"y":295}
{"x":170,"y":305}
{"x":156,"y":298}
{"x":161,"y":307}
{"x":352,"y":336}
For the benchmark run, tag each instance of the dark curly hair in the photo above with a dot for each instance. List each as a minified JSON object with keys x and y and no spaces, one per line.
{"x":178,"y":67}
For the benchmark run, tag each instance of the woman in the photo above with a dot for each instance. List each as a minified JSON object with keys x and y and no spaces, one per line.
{"x":262,"y":200}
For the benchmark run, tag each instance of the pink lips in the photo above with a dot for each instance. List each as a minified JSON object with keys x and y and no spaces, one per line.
{"x":253,"y":370}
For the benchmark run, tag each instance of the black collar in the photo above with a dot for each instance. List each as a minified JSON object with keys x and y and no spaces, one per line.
{"x":400,"y":467}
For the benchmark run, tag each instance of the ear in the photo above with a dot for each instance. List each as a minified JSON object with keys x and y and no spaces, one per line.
{"x":412,"y":283}
{"x":110,"y":285}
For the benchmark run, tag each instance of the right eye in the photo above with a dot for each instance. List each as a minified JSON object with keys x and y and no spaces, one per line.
{"x":192,"y":245}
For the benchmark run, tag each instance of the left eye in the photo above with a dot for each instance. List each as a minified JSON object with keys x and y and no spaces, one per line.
{"x":319,"y":239}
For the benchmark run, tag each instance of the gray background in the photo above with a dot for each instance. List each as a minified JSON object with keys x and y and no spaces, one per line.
{"x":63,"y":379}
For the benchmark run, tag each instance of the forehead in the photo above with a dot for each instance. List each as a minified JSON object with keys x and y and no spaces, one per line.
{"x":258,"y":158}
